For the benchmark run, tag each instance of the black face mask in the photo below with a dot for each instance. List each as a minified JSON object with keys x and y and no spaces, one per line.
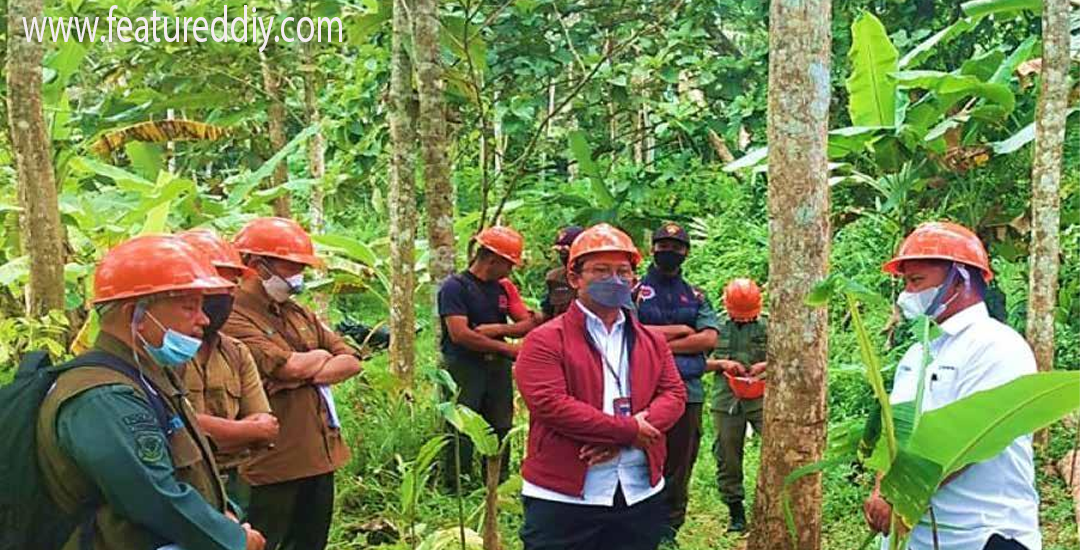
{"x":669,"y":260}
{"x":217,"y":307}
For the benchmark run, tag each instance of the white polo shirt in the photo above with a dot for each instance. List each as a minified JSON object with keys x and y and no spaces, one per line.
{"x":630,"y":468}
{"x":975,"y":353}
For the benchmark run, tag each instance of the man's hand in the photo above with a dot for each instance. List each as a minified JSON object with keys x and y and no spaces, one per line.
{"x":878,"y":513}
{"x":647,"y":434}
{"x":255,"y":540}
{"x":733,"y":368}
{"x":265,"y":426}
{"x":596,"y":454}
{"x":275,"y":386}
{"x":492,"y":330}
{"x":757,"y":369}
{"x":304,"y":365}
{"x":511,"y":350}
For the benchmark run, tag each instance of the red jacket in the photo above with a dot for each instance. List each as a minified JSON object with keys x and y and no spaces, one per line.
{"x":560,"y":377}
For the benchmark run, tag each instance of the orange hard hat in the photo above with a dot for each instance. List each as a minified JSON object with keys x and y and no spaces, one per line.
{"x":942,"y":241}
{"x":503,"y":241}
{"x":742,"y":299}
{"x":603,"y":238}
{"x":277,"y":238}
{"x":745,"y":388}
{"x":221,"y":253}
{"x":151,"y":264}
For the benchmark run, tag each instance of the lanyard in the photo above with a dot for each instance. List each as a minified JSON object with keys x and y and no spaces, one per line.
{"x":613,"y":370}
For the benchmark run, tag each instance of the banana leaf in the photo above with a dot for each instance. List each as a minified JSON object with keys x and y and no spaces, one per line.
{"x":871,"y":87}
{"x":971,"y":430}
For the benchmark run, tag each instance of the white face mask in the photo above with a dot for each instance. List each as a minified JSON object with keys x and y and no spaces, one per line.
{"x":914,"y":304}
{"x":280,"y":289}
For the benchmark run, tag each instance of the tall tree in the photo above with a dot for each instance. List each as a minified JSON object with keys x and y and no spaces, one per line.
{"x":316,"y":146}
{"x":316,"y":156}
{"x":402,"y":197}
{"x":798,"y":112}
{"x":275,"y":115}
{"x":1050,"y":116}
{"x":40,"y":230}
{"x":439,"y":192}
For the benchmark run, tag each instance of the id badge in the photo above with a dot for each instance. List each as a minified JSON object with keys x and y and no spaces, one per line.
{"x":621,"y":406}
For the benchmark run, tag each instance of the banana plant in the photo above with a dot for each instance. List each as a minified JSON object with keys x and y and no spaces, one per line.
{"x":891,"y":127}
{"x":916,"y":451}
{"x":487,"y":444}
{"x":414,"y":480}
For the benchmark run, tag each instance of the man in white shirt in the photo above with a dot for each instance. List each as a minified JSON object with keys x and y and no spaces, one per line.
{"x":992,"y":505}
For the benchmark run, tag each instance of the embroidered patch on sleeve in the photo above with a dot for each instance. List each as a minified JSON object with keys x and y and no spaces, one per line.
{"x":150,"y":447}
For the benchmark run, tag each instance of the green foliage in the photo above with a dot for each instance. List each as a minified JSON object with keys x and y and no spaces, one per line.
{"x":18,"y":334}
{"x":627,"y":144}
{"x":871,"y":86}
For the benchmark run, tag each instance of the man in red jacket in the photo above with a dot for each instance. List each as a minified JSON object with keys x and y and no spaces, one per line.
{"x":601,"y":391}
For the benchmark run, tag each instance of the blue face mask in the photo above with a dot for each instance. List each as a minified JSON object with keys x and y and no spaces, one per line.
{"x":610,"y":292}
{"x":176,"y":348}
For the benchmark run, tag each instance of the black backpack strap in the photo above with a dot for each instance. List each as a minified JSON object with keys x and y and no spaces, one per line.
{"x":97,"y":358}
{"x":32,"y":361}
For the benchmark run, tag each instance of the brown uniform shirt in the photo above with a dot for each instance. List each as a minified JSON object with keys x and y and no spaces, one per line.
{"x":306,"y":444}
{"x":227,"y":386}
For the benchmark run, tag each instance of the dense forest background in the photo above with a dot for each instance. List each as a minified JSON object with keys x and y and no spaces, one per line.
{"x":551,"y":112}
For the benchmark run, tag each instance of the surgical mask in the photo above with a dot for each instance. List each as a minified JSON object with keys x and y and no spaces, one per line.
{"x":217,"y":308}
{"x":610,"y":292}
{"x":914,"y":304}
{"x":929,"y":301}
{"x":669,"y":260}
{"x":175,"y":349}
{"x":280,"y":288}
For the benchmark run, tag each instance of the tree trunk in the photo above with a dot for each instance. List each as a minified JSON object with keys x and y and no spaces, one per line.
{"x":275,"y":114}
{"x":1069,"y":469}
{"x":316,"y":146}
{"x":40,"y":230}
{"x":1045,"y":187}
{"x":795,"y":419}
{"x":439,"y":192}
{"x":491,"y":503}
{"x":402,"y":200}
{"x":316,"y":154}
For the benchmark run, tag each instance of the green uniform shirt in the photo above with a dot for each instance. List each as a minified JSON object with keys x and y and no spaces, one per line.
{"x":747,"y":344}
{"x":107,"y":441}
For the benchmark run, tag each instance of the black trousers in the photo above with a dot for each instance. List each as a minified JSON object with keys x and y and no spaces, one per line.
{"x":486,"y":387}
{"x":294,"y":515}
{"x":683,"y":442}
{"x":559,"y":526}
{"x":998,"y":542}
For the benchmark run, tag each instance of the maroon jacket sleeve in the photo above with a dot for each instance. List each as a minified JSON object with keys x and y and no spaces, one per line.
{"x":540,"y":380}
{"x":669,"y":401}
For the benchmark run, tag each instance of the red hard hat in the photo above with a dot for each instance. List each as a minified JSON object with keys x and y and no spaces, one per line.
{"x":942,"y":241}
{"x":745,"y":388}
{"x":277,"y":238}
{"x":151,"y":264}
{"x":742,"y":299}
{"x":503,"y":241}
{"x":603,"y":238}
{"x":221,"y":253}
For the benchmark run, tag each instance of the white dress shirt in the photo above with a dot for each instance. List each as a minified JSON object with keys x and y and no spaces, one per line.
{"x":975,"y":353}
{"x":630,"y":468}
